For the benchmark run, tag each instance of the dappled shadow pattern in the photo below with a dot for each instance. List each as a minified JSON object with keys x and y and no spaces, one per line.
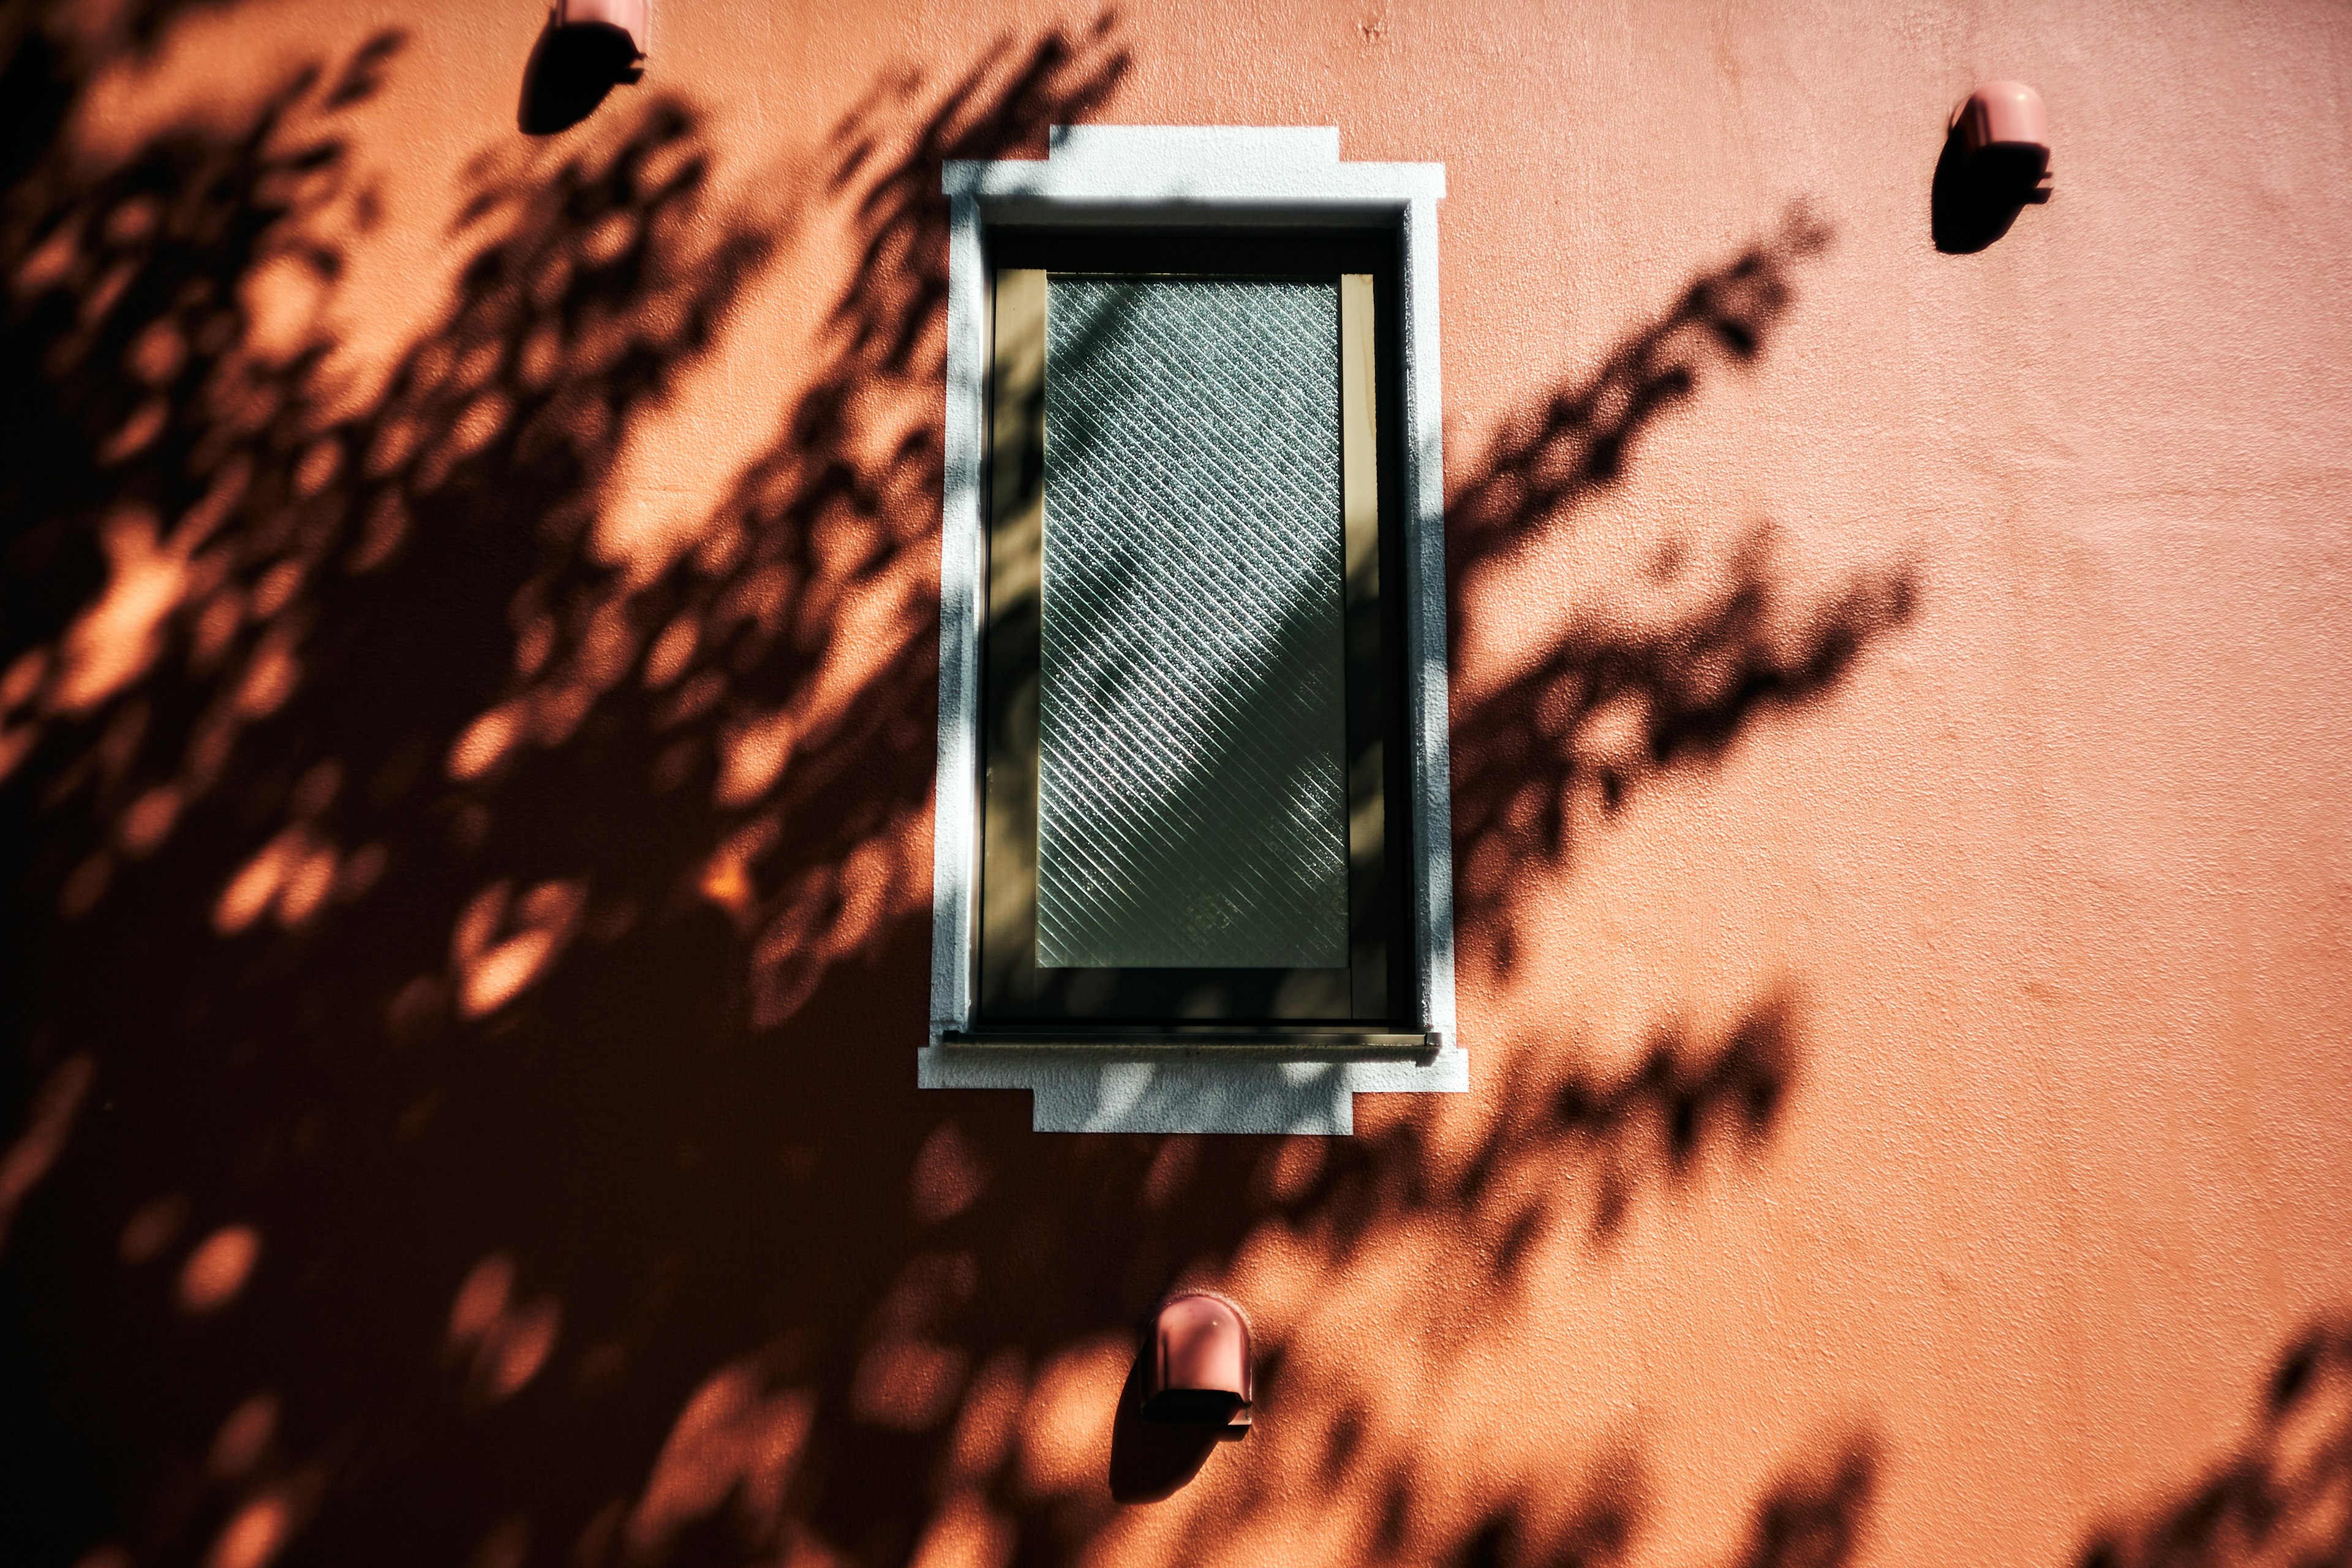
{"x":1597,"y":1143}
{"x":2283,"y":1500}
{"x":345,"y":723}
{"x":1677,"y":1106}
{"x":1816,"y":1518}
{"x":1618,"y":699}
{"x":475,"y":926}
{"x":1600,"y":1526}
{"x":1554,"y":455}
{"x":1669,"y":673}
{"x":1813,"y":1515}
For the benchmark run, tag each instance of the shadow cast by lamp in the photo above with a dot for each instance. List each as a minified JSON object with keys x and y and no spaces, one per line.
{"x":585,"y":51}
{"x":1995,"y":160}
{"x":1189,"y":1389}
{"x":1153,"y":1461}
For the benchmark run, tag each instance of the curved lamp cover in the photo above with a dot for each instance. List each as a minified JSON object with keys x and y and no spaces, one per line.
{"x":1198,"y":1368}
{"x":2007,"y":115}
{"x":634,"y":17}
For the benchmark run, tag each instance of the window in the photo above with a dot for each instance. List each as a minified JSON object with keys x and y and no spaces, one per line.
{"x":1193,"y":868}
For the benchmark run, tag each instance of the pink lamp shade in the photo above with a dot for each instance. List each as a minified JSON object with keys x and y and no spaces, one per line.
{"x":634,"y":17}
{"x":2008,"y":116}
{"x":1198,"y":1364}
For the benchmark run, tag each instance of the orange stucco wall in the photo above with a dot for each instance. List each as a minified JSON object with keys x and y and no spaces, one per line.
{"x":470,"y":640}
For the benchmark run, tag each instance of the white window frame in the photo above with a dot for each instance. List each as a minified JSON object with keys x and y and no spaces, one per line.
{"x":1220,"y":176}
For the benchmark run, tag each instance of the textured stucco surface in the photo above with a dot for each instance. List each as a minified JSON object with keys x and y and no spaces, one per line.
{"x":1909,"y":1081}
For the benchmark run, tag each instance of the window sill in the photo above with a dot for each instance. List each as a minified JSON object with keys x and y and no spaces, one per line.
{"x":1126,"y":1041}
{"x":1156,"y":1082}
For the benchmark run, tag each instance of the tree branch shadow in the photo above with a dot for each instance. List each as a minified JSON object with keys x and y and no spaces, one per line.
{"x":464,"y":1025}
{"x":1622,"y":695}
{"x":2283,"y":1500}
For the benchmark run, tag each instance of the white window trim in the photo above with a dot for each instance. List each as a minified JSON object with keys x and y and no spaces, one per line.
{"x":1221,"y":175}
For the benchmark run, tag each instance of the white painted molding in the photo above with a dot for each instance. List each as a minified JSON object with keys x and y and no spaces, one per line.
{"x":1225,"y":176}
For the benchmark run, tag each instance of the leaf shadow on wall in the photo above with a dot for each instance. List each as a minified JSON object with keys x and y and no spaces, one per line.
{"x":2283,"y":1500}
{"x":477,"y":934}
{"x":1669,"y":673}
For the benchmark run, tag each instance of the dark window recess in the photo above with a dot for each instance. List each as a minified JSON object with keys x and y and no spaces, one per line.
{"x":1194,"y":807}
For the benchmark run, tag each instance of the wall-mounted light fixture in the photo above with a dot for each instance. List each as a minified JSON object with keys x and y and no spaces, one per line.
{"x":2004,"y":135}
{"x":632,"y":19}
{"x":1197,"y":1369}
{"x":586,"y":49}
{"x":1996,"y":161}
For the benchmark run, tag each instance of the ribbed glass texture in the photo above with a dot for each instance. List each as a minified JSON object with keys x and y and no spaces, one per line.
{"x":1192,"y":791}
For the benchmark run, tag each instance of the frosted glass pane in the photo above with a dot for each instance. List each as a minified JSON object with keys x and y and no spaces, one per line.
{"x":1193,"y":807}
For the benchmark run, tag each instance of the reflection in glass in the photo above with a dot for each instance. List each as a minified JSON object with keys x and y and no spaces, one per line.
{"x":1193,"y":795}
